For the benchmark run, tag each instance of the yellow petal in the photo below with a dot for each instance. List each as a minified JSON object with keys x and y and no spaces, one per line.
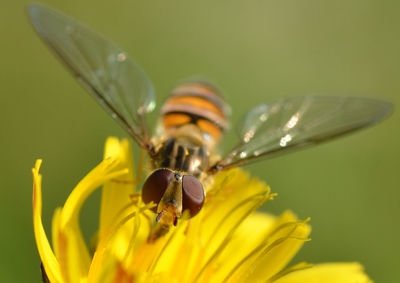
{"x":50,"y":263}
{"x":239,"y":196}
{"x":117,"y":203}
{"x":116,"y":194}
{"x":68,"y":249}
{"x":55,"y":224}
{"x":59,"y":244}
{"x":71,"y":246}
{"x":112,"y":250}
{"x":282,"y":245}
{"x":209,"y":233}
{"x":103,"y":268}
{"x":247,"y":238}
{"x":296,"y":267}
{"x":102,"y":173}
{"x":328,"y":273}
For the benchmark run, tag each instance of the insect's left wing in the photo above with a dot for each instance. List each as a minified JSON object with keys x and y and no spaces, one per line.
{"x":115,"y":81}
{"x":292,"y":123}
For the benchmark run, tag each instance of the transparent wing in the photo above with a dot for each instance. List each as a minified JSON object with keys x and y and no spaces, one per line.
{"x":292,"y":123}
{"x":115,"y":81}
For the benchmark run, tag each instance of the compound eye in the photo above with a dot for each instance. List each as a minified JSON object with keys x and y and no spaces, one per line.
{"x":192,"y":194}
{"x":155,"y":186}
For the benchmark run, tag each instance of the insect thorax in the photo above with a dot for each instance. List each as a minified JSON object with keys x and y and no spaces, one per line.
{"x":182,"y":154}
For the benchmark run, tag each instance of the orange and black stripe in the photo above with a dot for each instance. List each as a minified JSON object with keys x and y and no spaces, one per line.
{"x":199,"y":104}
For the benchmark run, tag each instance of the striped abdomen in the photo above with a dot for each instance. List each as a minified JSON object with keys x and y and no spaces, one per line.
{"x":198,"y":104}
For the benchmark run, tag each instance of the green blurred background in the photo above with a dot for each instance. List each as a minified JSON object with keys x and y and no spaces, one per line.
{"x":255,"y":51}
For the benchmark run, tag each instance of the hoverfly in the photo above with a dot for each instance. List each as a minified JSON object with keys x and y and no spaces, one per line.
{"x":193,"y":118}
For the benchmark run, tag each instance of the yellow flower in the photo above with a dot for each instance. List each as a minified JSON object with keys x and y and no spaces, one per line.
{"x":228,"y":241}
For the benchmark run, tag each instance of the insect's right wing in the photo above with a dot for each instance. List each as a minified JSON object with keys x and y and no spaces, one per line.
{"x":115,"y":81}
{"x":292,"y":123}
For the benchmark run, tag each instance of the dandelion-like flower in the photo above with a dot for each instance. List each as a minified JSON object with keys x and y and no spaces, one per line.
{"x":228,"y":241}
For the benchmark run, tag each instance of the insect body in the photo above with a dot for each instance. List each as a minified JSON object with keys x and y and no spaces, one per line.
{"x":193,"y":120}
{"x":194,"y":116}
